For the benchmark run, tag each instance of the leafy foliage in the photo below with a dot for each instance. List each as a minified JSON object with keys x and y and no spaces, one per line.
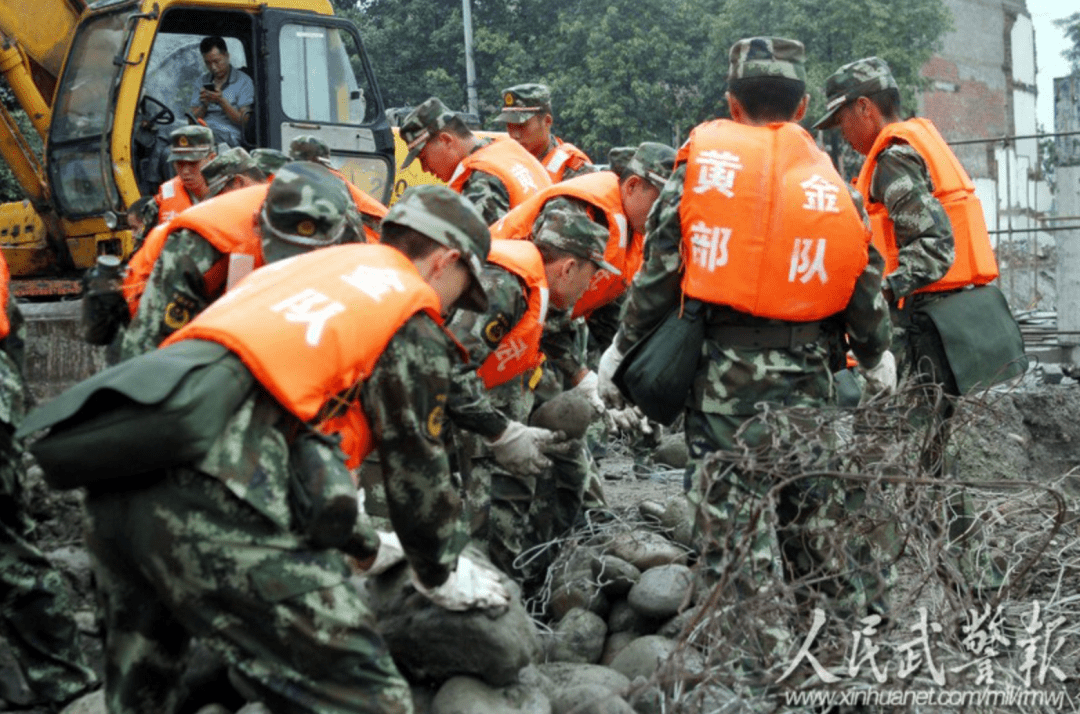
{"x":626,"y":71}
{"x":1071,"y":26}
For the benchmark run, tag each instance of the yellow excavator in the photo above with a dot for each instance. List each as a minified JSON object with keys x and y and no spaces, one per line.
{"x":104,"y":84}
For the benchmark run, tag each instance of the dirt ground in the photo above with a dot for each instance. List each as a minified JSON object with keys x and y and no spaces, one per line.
{"x":1028,"y":434}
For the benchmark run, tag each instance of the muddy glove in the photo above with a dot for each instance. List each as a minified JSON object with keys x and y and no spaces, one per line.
{"x":390,"y":554}
{"x":629,"y":420}
{"x":880,"y":379}
{"x":587,"y":387}
{"x":519,"y":449}
{"x":471,"y":585}
{"x":609,"y":363}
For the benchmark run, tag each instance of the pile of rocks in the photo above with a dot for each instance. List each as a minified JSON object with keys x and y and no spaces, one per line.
{"x":617,"y":599}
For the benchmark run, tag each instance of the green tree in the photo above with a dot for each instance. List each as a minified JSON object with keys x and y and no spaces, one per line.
{"x":625,"y":71}
{"x":1071,"y":26}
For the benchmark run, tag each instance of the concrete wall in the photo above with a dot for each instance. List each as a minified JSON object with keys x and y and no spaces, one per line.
{"x":982,"y":86}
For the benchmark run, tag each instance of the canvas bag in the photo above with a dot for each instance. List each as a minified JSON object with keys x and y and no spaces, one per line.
{"x":157,"y":410}
{"x":983,"y":343}
{"x":658,"y":371}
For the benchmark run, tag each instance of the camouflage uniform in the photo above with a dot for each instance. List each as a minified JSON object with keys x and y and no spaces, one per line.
{"x":901,"y":182}
{"x":36,"y":621}
{"x":731,"y":380}
{"x":269,"y":160}
{"x":619,"y":157}
{"x":524,"y":101}
{"x":226,"y":166}
{"x":175,"y":291}
{"x":483,"y":190}
{"x":188,"y":143}
{"x":212,"y":549}
{"x":513,"y":512}
{"x":926,"y":250}
{"x":309,"y":148}
{"x":574,"y":345}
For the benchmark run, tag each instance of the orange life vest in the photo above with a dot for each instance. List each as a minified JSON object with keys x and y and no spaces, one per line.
{"x":507,"y":160}
{"x":519,"y":350}
{"x":141,"y":265}
{"x":172,"y":199}
{"x":5,"y":295}
{"x":624,"y":251}
{"x":311,"y":329}
{"x":561,"y":157}
{"x":768,"y":226}
{"x":975,"y":263}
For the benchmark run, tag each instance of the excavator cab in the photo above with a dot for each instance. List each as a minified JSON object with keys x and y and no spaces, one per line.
{"x":132,"y":74}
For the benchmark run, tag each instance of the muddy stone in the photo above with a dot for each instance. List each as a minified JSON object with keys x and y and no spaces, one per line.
{"x":465,"y":695}
{"x":569,"y":413}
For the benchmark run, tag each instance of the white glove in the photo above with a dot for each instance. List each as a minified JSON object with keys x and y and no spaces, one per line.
{"x":629,"y":420}
{"x":520,"y":448}
{"x":882,"y":378}
{"x":390,"y":554}
{"x":609,"y":363}
{"x":471,"y":585}
{"x":588,"y":388}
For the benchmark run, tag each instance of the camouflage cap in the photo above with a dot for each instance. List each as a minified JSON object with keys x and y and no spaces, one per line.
{"x":191,"y":143}
{"x":306,"y":207}
{"x":450,"y":220}
{"x":309,"y":148}
{"x":653,"y":162}
{"x":853,"y":80}
{"x":573,"y":231}
{"x":767,"y":57}
{"x":269,"y":160}
{"x":619,"y":156}
{"x":226,"y":166}
{"x":524,"y":101}
{"x":421,"y":124}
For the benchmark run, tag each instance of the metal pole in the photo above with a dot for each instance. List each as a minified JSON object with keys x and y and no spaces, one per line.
{"x":470,"y":71}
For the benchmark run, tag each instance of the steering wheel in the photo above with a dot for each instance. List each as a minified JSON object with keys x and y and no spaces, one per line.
{"x":161,"y":113}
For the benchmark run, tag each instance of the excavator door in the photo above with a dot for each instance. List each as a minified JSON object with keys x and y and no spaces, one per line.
{"x":320,"y":82}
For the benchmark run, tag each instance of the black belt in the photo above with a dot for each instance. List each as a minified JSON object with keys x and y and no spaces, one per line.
{"x":767,"y":336}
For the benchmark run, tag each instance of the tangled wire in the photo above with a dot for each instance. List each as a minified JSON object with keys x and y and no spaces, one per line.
{"x":842,"y":556}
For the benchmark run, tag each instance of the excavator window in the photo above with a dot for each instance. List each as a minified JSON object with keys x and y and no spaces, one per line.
{"x":174,"y":73}
{"x":80,"y":116}
{"x":324,"y":87}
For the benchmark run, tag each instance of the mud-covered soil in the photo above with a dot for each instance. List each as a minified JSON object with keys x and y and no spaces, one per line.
{"x":1030,"y":434}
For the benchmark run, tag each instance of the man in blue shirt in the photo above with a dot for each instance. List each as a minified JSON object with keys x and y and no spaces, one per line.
{"x":226,"y":107}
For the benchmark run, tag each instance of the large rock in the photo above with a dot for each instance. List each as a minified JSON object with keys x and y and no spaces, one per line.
{"x":573,"y":585}
{"x":578,"y":637}
{"x":614,"y":644}
{"x":569,"y":412}
{"x":644,"y":549}
{"x":672,"y":451}
{"x":589,"y":699}
{"x":557,"y":676}
{"x":429,"y":643}
{"x":645,"y":655}
{"x":624,"y":618}
{"x":677,"y":519}
{"x":615,"y":575}
{"x":661,"y":591}
{"x":465,"y":695}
